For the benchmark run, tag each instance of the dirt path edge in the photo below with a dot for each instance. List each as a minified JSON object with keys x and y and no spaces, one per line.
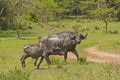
{"x":102,"y":57}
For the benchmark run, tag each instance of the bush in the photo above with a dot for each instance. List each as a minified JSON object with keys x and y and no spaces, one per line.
{"x":76,"y":28}
{"x":85,"y":29}
{"x":63,"y":26}
{"x":114,"y":32}
{"x":15,"y":75}
{"x":97,"y":28}
{"x":83,"y":59}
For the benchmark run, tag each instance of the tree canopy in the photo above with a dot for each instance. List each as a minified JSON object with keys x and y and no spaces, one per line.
{"x":15,"y":13}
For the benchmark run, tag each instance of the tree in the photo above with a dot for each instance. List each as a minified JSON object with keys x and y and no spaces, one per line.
{"x":104,"y":12}
{"x":117,"y":7}
{"x":4,"y":14}
{"x":44,"y":10}
{"x":17,"y":9}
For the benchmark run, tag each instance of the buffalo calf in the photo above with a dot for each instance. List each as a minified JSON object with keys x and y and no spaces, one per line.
{"x":32,"y":50}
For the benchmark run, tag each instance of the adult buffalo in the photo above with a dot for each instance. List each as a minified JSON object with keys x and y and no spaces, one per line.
{"x":61,"y":43}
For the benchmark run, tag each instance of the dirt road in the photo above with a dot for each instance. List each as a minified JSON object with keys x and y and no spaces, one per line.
{"x":96,"y":55}
{"x":102,"y":57}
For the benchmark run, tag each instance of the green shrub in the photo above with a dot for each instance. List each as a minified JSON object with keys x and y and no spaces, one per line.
{"x":83,"y":59}
{"x":63,"y":26}
{"x":85,"y":29}
{"x":15,"y":75}
{"x":76,"y":28}
{"x":114,"y":32}
{"x":97,"y":28}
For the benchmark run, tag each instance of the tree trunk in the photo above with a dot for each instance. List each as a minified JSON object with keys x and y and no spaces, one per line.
{"x":18,"y":33}
{"x":106,"y":25}
{"x":16,"y":28}
{"x":1,"y":11}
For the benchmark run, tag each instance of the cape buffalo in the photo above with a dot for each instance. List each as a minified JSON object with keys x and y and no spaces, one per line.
{"x":32,"y":50}
{"x":35,"y":51}
{"x":62,"y":43}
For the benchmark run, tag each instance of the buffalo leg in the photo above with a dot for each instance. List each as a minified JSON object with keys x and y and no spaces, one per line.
{"x":41,"y":60}
{"x":35,"y":61}
{"x":23,"y":60}
{"x":76,"y":54}
{"x":47,"y":60}
{"x":65,"y":57}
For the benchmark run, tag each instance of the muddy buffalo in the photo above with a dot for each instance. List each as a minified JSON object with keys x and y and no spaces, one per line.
{"x":32,"y":50}
{"x":61,"y":43}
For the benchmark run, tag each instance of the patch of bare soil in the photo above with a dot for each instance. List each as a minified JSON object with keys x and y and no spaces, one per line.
{"x":96,"y":55}
{"x":102,"y":57}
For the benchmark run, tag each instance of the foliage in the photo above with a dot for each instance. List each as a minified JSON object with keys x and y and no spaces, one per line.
{"x":104,"y":12}
{"x":14,"y":14}
{"x":76,"y":28}
{"x":5,"y":18}
{"x":15,"y":75}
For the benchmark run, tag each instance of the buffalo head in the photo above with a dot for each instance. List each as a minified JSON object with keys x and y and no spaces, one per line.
{"x":80,"y":37}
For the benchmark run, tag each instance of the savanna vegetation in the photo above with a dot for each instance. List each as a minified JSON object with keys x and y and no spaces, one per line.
{"x":24,"y":21}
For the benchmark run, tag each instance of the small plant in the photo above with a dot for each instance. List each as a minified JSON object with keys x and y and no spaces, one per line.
{"x":97,"y":28}
{"x":78,"y":20}
{"x":85,"y":29}
{"x":83,"y":59}
{"x":82,"y":30}
{"x":114,"y":32}
{"x":56,"y":25}
{"x":76,"y":28}
{"x":63,"y":26}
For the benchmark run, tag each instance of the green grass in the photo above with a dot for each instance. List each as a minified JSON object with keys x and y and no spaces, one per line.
{"x":72,"y":71}
{"x":11,"y":50}
{"x":112,"y":46}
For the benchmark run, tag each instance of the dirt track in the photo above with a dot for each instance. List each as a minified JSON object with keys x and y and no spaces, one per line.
{"x":96,"y":55}
{"x":102,"y":57}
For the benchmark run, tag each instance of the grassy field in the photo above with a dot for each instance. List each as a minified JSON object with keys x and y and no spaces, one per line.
{"x":11,"y":51}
